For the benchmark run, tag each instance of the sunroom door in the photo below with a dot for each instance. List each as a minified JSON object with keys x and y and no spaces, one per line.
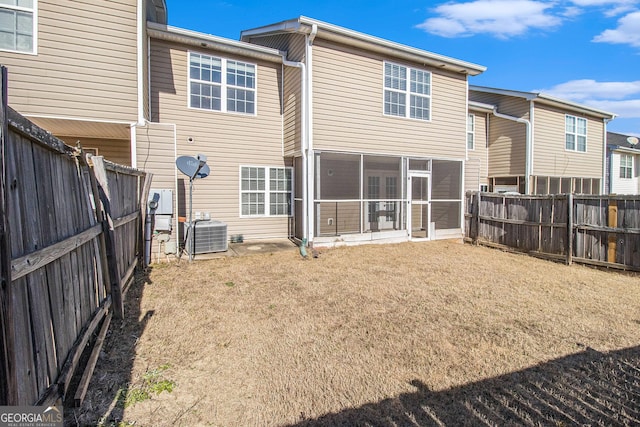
{"x":419,"y":206}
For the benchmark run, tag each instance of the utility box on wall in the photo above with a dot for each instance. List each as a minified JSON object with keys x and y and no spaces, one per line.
{"x":163,"y":200}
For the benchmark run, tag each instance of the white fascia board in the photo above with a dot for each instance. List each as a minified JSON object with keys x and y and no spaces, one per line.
{"x":545,"y":99}
{"x":481,"y":106}
{"x":627,"y":150}
{"x":193,"y":38}
{"x":349,"y":37}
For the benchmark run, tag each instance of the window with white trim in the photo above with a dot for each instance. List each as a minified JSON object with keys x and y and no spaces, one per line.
{"x":576,"y":133}
{"x":407,"y":92}
{"x":220,"y":84}
{"x":17,"y":25}
{"x":265,"y":191}
{"x":626,"y":166}
{"x":471,"y":125}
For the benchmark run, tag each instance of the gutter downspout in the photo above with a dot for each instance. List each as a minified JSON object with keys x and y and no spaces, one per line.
{"x":303,"y":138}
{"x":141,"y":121}
{"x":527,"y":166}
{"x":310,"y":172}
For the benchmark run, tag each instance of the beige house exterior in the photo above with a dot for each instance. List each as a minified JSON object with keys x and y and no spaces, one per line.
{"x":376,"y":132}
{"x":76,"y":68}
{"x":538,"y":144}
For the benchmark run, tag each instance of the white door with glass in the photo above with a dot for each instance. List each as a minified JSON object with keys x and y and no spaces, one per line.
{"x":419,"y":212}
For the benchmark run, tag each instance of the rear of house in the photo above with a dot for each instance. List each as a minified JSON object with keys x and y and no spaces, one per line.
{"x":74,"y":68}
{"x":538,"y":144}
{"x":379,"y":143}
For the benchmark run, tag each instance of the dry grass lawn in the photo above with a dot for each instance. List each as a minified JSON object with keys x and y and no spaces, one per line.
{"x":406,"y":334}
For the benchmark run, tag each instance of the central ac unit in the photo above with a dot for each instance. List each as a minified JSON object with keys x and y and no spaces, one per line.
{"x":208,"y":236}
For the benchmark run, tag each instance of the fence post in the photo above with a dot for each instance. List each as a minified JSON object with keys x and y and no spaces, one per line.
{"x":109,"y":236}
{"x":475,"y":217}
{"x":8,"y":384}
{"x":612,"y":222}
{"x":569,"y":228}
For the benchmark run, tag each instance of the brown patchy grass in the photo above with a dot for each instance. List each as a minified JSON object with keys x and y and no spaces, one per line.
{"x":273,"y":339}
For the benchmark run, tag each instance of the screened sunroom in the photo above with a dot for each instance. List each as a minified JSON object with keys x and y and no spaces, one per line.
{"x":359,"y":197}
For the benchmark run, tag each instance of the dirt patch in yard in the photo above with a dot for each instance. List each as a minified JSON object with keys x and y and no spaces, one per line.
{"x":406,"y":334}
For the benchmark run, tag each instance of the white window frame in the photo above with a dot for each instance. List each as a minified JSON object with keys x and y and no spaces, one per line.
{"x":266,"y":192}
{"x":407,"y":92}
{"x":626,"y":167}
{"x":575,"y":133}
{"x":34,"y":31}
{"x":224,"y":86}
{"x":471,"y":131}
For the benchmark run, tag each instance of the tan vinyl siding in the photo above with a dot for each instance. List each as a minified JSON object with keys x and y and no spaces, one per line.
{"x":86,"y":62}
{"x":348,"y":108}
{"x":114,"y":150}
{"x":292,"y":110}
{"x":476,"y":168}
{"x":293,"y":44}
{"x":550,"y":156}
{"x":228,"y":140}
{"x":155,"y":154}
{"x":510,"y":105}
{"x":507,"y":147}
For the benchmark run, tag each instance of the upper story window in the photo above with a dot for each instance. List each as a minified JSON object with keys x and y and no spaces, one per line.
{"x":407,"y":92}
{"x":471,"y":128}
{"x":626,"y":166}
{"x":576,"y":133}
{"x":17,"y":25}
{"x":221,"y":84}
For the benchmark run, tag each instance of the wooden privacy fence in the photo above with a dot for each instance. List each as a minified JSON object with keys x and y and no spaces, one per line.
{"x":70,"y":236}
{"x":597,"y":230}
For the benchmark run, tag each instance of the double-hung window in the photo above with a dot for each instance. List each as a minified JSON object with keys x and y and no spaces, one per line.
{"x":407,"y":92}
{"x":18,"y":25}
{"x":221,"y":84}
{"x":626,"y":166}
{"x":576,"y":133}
{"x":265,"y":191}
{"x":471,"y":132}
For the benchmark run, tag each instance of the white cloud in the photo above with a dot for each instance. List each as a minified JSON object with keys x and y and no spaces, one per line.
{"x":501,"y":18}
{"x":628,"y":31}
{"x":613,"y":7}
{"x":622,"y":98}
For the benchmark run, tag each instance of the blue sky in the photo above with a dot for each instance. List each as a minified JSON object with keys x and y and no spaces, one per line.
{"x":586,"y":51}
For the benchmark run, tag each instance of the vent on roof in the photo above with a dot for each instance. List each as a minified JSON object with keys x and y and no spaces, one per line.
{"x":209,"y":236}
{"x":632,"y":140}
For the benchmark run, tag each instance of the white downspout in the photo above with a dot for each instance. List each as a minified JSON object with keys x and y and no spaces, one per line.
{"x":140,"y":83}
{"x":604,"y":158}
{"x":531,"y":137}
{"x":310,"y":172}
{"x":527,"y":166}
{"x":303,"y":138}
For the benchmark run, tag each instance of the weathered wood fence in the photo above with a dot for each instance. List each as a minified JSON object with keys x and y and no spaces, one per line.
{"x":597,"y":230}
{"x":70,"y":239}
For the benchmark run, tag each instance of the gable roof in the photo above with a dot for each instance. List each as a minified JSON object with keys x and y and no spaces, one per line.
{"x":618,"y":141}
{"x":304,"y":25}
{"x":542,"y":98}
{"x":207,"y":41}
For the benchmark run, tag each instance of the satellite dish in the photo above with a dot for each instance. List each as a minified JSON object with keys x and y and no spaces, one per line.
{"x":188,"y":165}
{"x":632,"y":140}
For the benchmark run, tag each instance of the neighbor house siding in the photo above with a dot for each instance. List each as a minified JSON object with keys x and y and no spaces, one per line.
{"x":114,"y":150}
{"x":476,"y":167}
{"x":624,"y":185}
{"x":86,"y":62}
{"x":507,"y":146}
{"x":550,"y":158}
{"x":228,"y":140}
{"x":292,"y":111}
{"x":348,"y":108}
{"x":293,"y":44}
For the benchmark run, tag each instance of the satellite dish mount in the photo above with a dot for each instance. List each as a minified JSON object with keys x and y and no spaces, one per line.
{"x":193,"y":167}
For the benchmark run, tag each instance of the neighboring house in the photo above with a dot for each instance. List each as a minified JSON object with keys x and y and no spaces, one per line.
{"x":623,"y":164}
{"x":539,"y":144}
{"x":76,"y":68}
{"x":376,"y":131}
